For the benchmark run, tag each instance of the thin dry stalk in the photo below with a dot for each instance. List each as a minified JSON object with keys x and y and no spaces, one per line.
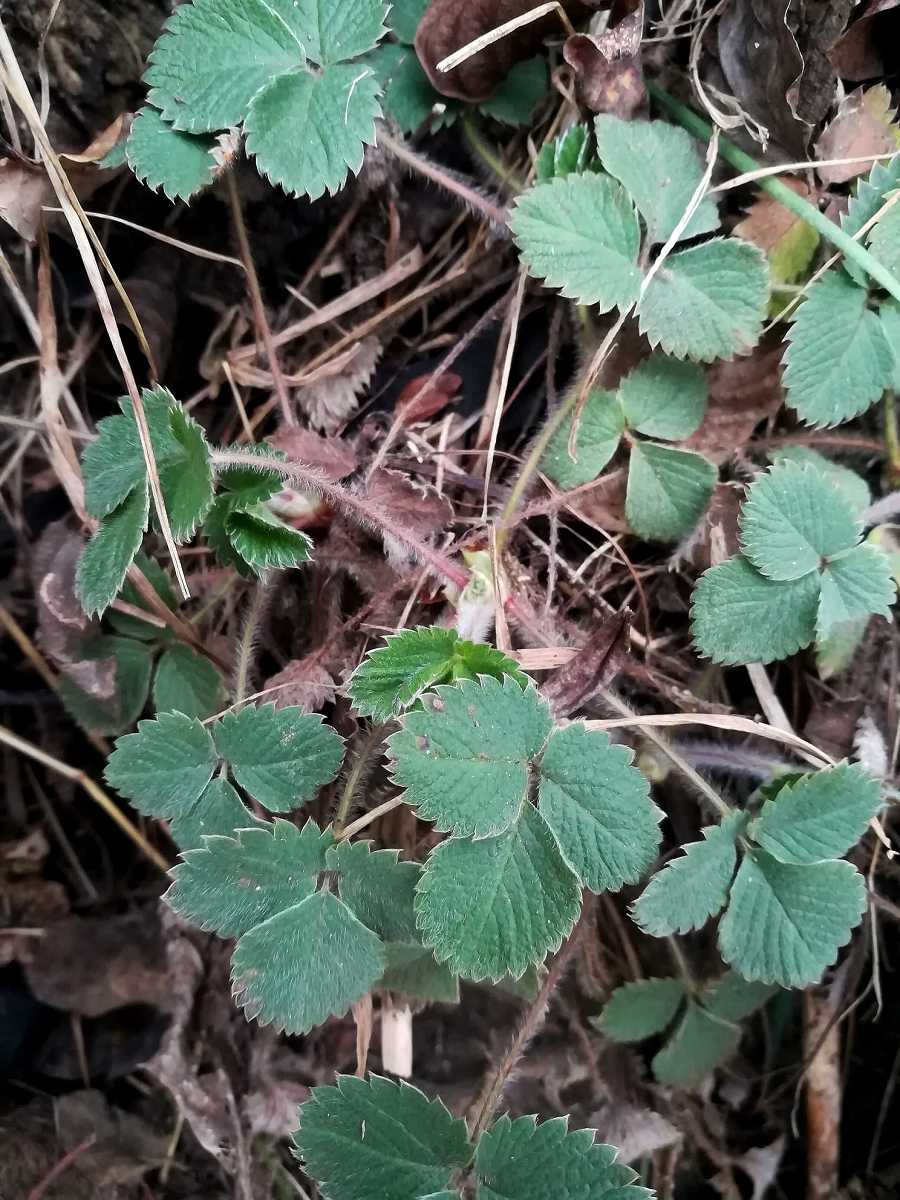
{"x":502,"y":31}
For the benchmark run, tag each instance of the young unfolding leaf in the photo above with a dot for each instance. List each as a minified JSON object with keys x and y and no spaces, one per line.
{"x":658,"y":165}
{"x":785,"y":923}
{"x":523,"y":1160}
{"x":838,"y":361}
{"x":598,"y":807}
{"x":690,"y":890}
{"x":708,"y":301}
{"x":281,"y":756}
{"x":641,"y":1009}
{"x":567,"y":154}
{"x":379,"y":1140}
{"x":182,"y":164}
{"x":263,"y":541}
{"x":165,"y":767}
{"x":464,"y":758}
{"x":794,"y":517}
{"x":668,"y":490}
{"x":392,"y":677}
{"x":580,"y":234}
{"x":495,"y":906}
{"x":185,"y":682}
{"x":819,"y":817}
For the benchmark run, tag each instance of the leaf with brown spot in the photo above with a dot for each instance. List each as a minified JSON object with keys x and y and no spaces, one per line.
{"x":609,"y":66}
{"x":448,"y":25}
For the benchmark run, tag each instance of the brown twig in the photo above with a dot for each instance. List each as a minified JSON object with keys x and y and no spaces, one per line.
{"x":65,"y":1162}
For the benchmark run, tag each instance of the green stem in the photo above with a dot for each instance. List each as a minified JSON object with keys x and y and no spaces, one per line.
{"x":243,"y":667}
{"x":681,"y":963}
{"x":487,"y":156}
{"x":892,"y":441}
{"x":779,"y":191}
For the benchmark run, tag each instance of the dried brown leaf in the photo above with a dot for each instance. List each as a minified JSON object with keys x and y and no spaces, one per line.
{"x":864,"y":125}
{"x":608,"y":65}
{"x":419,"y":508}
{"x":330,"y":401}
{"x":448,"y":25}
{"x":427,"y":395}
{"x":153,"y":294}
{"x":857,"y":54}
{"x":63,"y":627}
{"x":91,"y":965}
{"x":304,"y":684}
{"x":768,"y":222}
{"x":742,"y":393}
{"x":716,"y":536}
{"x":124,"y":1147}
{"x":595,"y":666}
{"x":334,"y":456}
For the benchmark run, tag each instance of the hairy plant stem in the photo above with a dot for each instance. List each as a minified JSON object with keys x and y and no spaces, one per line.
{"x":494,"y":1093}
{"x":259,"y":312}
{"x":779,"y":191}
{"x":368,"y":747}
{"x":366,"y":511}
{"x":243,"y":665}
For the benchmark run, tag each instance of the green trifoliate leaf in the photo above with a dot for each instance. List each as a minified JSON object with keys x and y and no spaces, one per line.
{"x":519,"y":94}
{"x":306,"y":131}
{"x":165,"y":767}
{"x":664,"y":398}
{"x":707,"y":302}
{"x":820,"y":817}
{"x":600,"y":427}
{"x":639,"y":1010}
{"x":408,"y":95}
{"x":884,"y":240}
{"x":598,"y":807}
{"x":668,"y":490}
{"x":219,"y":810}
{"x":110,"y":552}
{"x":521,"y":1160}
{"x":213,"y":58}
{"x":786,"y":923}
{"x":854,"y":586}
{"x":852,"y":487}
{"x":660,"y":168}
{"x":464,"y":757}
{"x":393,"y":677}
{"x":378,"y":888}
{"x":496,"y":906}
{"x":281,"y":756}
{"x":234,"y":883}
{"x":794,"y":517}
{"x":379,"y":1140}
{"x":567,"y":154}
{"x":413,"y":971}
{"x":305,"y":964}
{"x":182,"y":164}
{"x":700,"y":1043}
{"x":870,"y":196}
{"x":732,"y":998}
{"x":114,"y":465}
{"x":580,"y":234}
{"x":262,"y":540}
{"x":691,"y":889}
{"x":187,"y":683}
{"x":740,"y":616}
{"x":838,"y":361}
{"x":132,"y":666}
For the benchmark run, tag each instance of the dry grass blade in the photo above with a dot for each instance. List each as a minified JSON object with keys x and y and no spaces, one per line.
{"x":11,"y":75}
{"x":718,"y":721}
{"x":502,"y":31}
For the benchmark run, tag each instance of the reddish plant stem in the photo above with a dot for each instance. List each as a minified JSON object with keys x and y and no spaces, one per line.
{"x":364,"y":510}
{"x":527,"y":1029}
{"x":66,"y":1161}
